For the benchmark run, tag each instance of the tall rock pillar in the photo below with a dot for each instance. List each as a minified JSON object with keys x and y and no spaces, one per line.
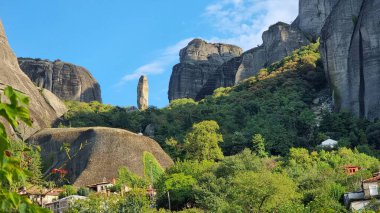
{"x":142,"y":93}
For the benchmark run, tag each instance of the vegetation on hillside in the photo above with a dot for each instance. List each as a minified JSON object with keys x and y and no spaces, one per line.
{"x":276,"y":104}
{"x":247,"y":148}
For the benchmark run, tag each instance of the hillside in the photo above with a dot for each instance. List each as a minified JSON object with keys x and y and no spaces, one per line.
{"x":288,"y":103}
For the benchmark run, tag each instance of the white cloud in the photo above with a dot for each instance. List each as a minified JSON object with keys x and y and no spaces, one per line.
{"x":159,"y":65}
{"x":243,"y":21}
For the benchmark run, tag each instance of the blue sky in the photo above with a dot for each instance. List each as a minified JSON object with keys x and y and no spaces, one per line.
{"x":119,"y":40}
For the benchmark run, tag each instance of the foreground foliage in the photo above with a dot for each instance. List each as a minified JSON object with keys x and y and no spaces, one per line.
{"x":11,"y":170}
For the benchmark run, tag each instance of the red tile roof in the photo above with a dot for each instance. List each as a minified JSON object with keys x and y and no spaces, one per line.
{"x":372,"y":179}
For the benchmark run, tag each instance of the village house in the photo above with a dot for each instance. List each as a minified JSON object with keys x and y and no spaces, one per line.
{"x":61,"y":205}
{"x":357,"y":201}
{"x":102,"y":187}
{"x":40,"y":196}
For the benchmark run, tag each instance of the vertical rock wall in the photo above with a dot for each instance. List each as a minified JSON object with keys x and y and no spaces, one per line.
{"x":143,"y":93}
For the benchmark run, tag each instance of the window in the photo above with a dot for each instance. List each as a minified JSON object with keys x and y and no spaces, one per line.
{"x":373,"y":191}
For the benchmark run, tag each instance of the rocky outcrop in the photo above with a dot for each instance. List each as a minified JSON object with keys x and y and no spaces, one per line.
{"x":278,"y":41}
{"x":142,"y":93}
{"x":198,"y":62}
{"x":312,"y":16}
{"x":43,"y":112}
{"x":65,"y":80}
{"x":336,"y":38}
{"x":96,"y":152}
{"x":351,"y":54}
{"x":364,"y":60}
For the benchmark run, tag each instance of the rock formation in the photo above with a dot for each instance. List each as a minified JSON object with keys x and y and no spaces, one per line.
{"x":44,"y":107}
{"x":198,"y":61}
{"x":142,"y":93}
{"x":351,"y":54}
{"x":67,"y":81}
{"x":312,"y":16}
{"x":278,"y":41}
{"x":96,"y":152}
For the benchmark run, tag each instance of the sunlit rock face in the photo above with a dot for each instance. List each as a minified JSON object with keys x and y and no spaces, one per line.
{"x":65,"y":80}
{"x":198,"y":62}
{"x":44,"y":111}
{"x":278,"y":41}
{"x":143,"y":93}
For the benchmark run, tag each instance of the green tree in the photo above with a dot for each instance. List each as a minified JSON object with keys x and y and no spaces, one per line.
{"x":136,"y":201}
{"x":68,"y":190}
{"x":262,"y":191}
{"x":258,"y":143}
{"x":202,"y":142}
{"x":82,"y":191}
{"x":125,"y":177}
{"x":179,"y":188}
{"x":152,"y":169}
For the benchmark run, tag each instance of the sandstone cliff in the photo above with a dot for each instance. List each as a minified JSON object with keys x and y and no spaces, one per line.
{"x":278,"y":41}
{"x":44,"y":109}
{"x":198,"y":61}
{"x":143,"y":93}
{"x":96,"y":152}
{"x":350,"y":50}
{"x":312,"y":16}
{"x":67,"y":81}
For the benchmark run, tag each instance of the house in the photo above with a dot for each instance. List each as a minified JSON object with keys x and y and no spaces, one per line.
{"x":102,"y":187}
{"x":357,"y":201}
{"x":351,"y":170}
{"x":61,"y":205}
{"x":329,"y":143}
{"x":40,"y":196}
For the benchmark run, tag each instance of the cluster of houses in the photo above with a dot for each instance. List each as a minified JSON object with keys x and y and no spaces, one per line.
{"x":368,"y":193}
{"x":369,"y":188}
{"x":49,"y":198}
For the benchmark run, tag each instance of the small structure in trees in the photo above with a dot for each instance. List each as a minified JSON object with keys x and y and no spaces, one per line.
{"x":329,"y":143}
{"x":351,"y":170}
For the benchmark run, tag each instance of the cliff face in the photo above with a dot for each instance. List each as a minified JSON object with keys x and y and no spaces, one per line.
{"x":312,"y":16}
{"x":278,"y":41}
{"x":198,"y":62}
{"x":142,"y":93}
{"x":351,"y":54}
{"x":67,"y":81}
{"x":96,"y":152}
{"x":44,"y":110}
